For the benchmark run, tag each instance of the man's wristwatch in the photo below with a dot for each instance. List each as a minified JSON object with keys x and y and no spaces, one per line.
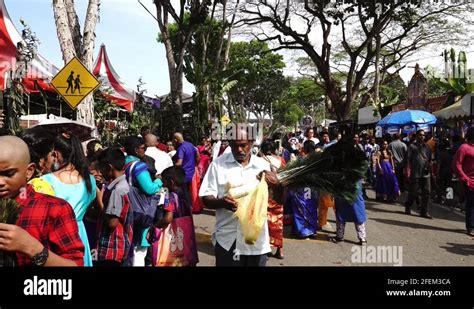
{"x":40,"y":258}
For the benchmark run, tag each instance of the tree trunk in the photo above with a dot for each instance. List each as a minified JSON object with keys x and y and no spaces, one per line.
{"x":85,"y":111}
{"x":72,"y":44}
{"x":377,"y":73}
{"x":74,"y":26}
{"x":64,"y":32}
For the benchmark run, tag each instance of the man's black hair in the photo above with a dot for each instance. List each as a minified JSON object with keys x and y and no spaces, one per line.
{"x":470,"y":134}
{"x":174,"y":173}
{"x":113,"y":156}
{"x":309,"y":146}
{"x":131,"y":143}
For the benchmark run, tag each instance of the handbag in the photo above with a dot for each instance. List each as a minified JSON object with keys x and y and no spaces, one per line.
{"x":144,"y":207}
{"x":175,"y":245}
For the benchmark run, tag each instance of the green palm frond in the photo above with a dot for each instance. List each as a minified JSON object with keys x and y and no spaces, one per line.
{"x":9,"y":211}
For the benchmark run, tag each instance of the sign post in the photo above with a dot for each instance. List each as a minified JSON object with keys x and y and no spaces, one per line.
{"x":74,"y":83}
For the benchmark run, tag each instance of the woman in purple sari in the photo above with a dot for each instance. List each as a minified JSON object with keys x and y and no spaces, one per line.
{"x":387,"y":184}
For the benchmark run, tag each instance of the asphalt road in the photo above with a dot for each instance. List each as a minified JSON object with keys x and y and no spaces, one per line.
{"x":438,"y":242}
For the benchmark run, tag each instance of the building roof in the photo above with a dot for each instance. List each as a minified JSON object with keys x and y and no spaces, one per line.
{"x":114,"y":88}
{"x":40,"y":72}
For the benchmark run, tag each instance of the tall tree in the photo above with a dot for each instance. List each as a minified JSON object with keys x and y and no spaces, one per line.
{"x":74,"y":43}
{"x":205,"y":61}
{"x":186,"y":26}
{"x":323,"y":28}
{"x":259,"y":80}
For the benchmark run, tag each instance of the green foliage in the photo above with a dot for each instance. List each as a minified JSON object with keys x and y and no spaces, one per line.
{"x":393,"y":92}
{"x":9,"y":211}
{"x":143,"y":113}
{"x":199,"y":66}
{"x":104,"y":111}
{"x":259,"y":76}
{"x":303,"y":96}
{"x":15,"y":96}
{"x":287,"y":114}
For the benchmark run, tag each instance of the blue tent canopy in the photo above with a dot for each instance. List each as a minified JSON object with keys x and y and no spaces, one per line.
{"x":408,"y":117}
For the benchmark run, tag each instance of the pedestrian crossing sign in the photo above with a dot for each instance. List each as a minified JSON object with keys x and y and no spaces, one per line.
{"x":74,"y":82}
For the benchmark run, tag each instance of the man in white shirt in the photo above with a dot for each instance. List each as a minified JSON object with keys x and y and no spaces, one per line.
{"x":239,"y":166}
{"x":162,"y":159}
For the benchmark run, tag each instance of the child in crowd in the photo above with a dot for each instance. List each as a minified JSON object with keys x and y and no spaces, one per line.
{"x":115,"y":230}
{"x":175,"y":205}
{"x":46,"y":233}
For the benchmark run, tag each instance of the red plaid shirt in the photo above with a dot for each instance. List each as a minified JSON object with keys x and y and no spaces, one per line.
{"x":52,"y":221}
{"x":115,"y":245}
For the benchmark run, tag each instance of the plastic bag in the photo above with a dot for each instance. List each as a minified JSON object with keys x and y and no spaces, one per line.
{"x":252,"y":212}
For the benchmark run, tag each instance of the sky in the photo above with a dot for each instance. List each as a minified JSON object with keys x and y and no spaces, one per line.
{"x":130,"y":33}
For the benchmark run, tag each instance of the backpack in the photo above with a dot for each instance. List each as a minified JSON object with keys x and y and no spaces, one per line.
{"x":144,"y":207}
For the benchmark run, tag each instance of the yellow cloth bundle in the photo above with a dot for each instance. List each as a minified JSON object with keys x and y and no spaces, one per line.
{"x":42,"y":186}
{"x":252,"y":209}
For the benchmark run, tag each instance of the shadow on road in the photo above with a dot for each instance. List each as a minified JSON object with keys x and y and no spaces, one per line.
{"x":287,"y":234}
{"x":461,"y":249}
{"x":208,"y":212}
{"x":204,"y":244}
{"x":438,"y":212}
{"x":418,"y":226}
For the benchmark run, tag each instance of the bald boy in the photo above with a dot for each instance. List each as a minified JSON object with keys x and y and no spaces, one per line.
{"x":46,"y":232}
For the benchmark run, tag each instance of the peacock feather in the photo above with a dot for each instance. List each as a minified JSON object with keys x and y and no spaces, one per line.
{"x":336,"y":171}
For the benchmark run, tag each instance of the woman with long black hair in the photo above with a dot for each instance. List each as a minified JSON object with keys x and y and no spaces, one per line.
{"x":41,"y":147}
{"x":72,"y":181}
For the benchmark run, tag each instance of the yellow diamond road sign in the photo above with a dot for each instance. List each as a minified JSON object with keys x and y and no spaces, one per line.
{"x":74,"y":82}
{"x":225,"y":120}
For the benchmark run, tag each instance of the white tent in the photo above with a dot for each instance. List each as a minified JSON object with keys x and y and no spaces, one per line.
{"x":453,"y":111}
{"x":326,"y":122}
{"x":366,"y":116}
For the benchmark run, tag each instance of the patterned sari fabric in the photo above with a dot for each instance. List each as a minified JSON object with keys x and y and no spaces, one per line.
{"x":275,"y":223}
{"x":275,"y":211}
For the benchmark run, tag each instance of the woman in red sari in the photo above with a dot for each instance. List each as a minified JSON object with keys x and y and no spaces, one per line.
{"x":275,"y":200}
{"x":205,"y":150}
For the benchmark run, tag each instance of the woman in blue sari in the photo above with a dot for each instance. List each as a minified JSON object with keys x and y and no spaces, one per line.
{"x":387,"y":183}
{"x":351,"y":212}
{"x":304,"y":204}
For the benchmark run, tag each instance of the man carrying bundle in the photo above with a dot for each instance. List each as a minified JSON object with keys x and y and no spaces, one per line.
{"x":239,"y":167}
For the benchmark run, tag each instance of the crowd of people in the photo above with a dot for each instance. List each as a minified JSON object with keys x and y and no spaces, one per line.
{"x":85,"y":207}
